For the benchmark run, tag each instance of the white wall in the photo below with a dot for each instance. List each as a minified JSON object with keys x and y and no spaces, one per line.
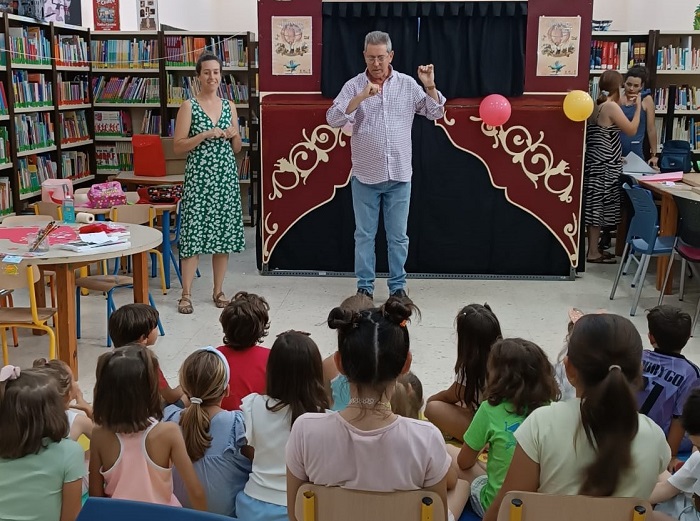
{"x":642,"y":15}
{"x":193,"y":15}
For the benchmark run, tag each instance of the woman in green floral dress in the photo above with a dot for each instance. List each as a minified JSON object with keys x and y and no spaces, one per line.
{"x":212,"y":222}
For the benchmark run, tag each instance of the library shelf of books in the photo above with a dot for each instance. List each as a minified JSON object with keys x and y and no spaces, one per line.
{"x":71,"y":100}
{"x":673,"y":61}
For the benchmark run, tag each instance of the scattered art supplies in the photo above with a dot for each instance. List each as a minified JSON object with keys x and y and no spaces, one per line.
{"x":99,"y":237}
{"x":42,"y":235}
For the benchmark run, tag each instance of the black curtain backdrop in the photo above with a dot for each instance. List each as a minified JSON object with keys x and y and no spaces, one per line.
{"x":345,"y":26}
{"x":458,"y":223}
{"x":478,"y":48}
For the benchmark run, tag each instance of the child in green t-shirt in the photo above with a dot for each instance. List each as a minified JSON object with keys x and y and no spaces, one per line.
{"x":519,"y":380}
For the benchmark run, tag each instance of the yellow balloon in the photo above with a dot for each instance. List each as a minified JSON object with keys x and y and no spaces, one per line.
{"x":578,"y":105}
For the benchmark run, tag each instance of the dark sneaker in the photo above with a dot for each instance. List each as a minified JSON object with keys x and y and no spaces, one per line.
{"x":401,"y":295}
{"x":365,"y":293}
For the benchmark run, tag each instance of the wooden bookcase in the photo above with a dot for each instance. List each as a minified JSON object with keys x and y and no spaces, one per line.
{"x":673,"y":62}
{"x":97,"y":89}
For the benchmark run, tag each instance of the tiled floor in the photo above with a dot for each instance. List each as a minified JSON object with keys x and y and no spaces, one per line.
{"x":532,"y":309}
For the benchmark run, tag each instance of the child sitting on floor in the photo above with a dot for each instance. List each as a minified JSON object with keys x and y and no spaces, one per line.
{"x":215,"y":438}
{"x":452,"y":410}
{"x":597,"y":444}
{"x":668,"y":376}
{"x":366,"y":446}
{"x":407,"y":401}
{"x":132,"y":454}
{"x":336,"y":384}
{"x":679,"y":495}
{"x":138,"y":324}
{"x":294,"y":387}
{"x":41,"y":470}
{"x":245,"y":321}
{"x":520,"y":379}
{"x":79,"y":418}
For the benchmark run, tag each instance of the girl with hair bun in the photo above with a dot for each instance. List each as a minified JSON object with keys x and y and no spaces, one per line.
{"x":366,"y":446}
{"x":596,"y":444}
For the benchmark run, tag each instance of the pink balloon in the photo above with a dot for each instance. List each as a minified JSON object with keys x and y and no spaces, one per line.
{"x":494,"y":110}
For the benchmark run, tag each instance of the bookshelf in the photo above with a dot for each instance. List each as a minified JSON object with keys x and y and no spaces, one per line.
{"x":615,"y":50}
{"x":126,"y":90}
{"x":238,"y":52}
{"x":71,"y":100}
{"x":74,"y":113}
{"x":677,"y":89}
{"x":673,"y":62}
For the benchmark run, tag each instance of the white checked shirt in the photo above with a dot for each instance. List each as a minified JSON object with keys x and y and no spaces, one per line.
{"x":381,"y":135}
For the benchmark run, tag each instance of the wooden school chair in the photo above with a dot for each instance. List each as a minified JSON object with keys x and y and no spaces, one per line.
{"x":143,"y":214}
{"x":531,"y":506}
{"x":320,"y":503}
{"x":18,"y":276}
{"x":53,"y":210}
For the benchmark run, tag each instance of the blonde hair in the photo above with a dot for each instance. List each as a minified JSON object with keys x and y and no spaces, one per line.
{"x":407,"y":399}
{"x":203,"y":375}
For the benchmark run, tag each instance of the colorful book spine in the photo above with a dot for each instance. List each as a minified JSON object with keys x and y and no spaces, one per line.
{"x":71,"y":50}
{"x":74,"y":127}
{"x":125,"y":54}
{"x":34,"y":130}
{"x":31,"y":89}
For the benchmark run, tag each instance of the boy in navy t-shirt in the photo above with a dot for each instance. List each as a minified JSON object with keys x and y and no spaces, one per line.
{"x":668,"y":376}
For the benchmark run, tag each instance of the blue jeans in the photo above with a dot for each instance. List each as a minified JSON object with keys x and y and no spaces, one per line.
{"x":394,"y":198}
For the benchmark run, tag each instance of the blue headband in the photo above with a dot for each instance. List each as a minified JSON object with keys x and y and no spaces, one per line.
{"x":218,"y":353}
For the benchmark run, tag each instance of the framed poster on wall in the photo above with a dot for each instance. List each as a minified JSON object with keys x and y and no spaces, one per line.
{"x":63,"y":11}
{"x":291,"y":46}
{"x":558,"y":45}
{"x":106,"y":15}
{"x":147,"y":14}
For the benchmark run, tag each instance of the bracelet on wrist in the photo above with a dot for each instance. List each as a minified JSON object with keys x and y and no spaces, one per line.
{"x":430,"y":87}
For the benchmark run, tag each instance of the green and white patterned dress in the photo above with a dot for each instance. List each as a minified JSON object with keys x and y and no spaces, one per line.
{"x":212,"y":219}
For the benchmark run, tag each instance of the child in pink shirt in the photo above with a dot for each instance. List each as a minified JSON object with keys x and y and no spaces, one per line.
{"x":366,"y":446}
{"x":245,"y":321}
{"x":131,"y":453}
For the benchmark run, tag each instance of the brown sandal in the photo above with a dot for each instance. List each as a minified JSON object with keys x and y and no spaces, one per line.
{"x":184,"y":305}
{"x":220,"y":300}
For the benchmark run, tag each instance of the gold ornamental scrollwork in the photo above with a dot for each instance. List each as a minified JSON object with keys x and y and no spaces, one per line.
{"x":571,"y":231}
{"x":270,"y":231}
{"x":304,"y":157}
{"x":534,"y":157}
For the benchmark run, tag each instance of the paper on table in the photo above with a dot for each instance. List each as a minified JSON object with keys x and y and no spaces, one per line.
{"x":636,"y":165}
{"x":96,"y":238}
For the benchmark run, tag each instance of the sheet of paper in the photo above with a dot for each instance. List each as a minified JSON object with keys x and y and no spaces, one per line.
{"x":96,"y":238}
{"x":634,"y":164}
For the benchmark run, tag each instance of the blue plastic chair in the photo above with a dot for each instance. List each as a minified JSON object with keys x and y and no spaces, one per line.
{"x":643,"y":239}
{"x":686,"y":245}
{"x":107,"y":509}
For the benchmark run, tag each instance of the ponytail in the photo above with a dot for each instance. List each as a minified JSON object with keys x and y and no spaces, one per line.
{"x":602,"y":97}
{"x":610,"y":420}
{"x":204,"y":377}
{"x":606,"y":351}
{"x":195,"y":423}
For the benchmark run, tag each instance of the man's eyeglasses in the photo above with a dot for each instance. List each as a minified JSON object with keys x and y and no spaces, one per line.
{"x":378,"y":59}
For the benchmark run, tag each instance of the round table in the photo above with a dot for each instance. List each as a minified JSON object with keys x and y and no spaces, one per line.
{"x":64,"y":263}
